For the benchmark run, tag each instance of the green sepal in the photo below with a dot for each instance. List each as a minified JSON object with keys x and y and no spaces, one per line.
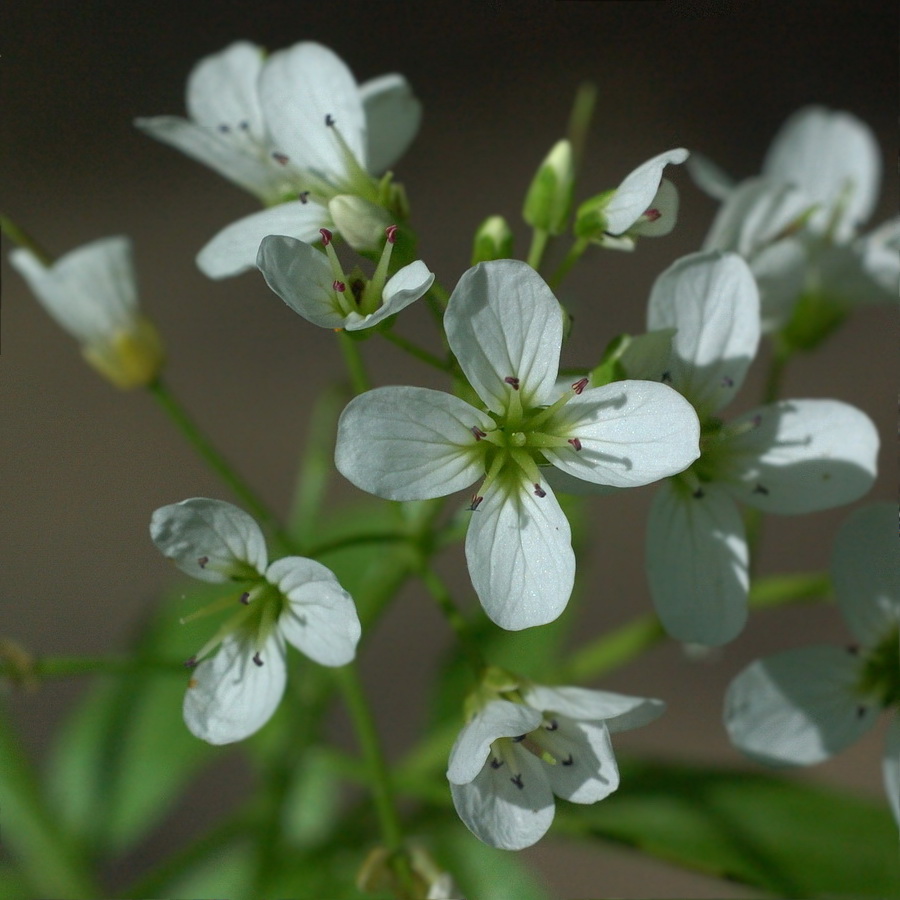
{"x":590,"y":217}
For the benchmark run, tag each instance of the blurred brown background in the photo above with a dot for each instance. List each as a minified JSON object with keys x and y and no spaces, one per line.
{"x":84,"y":466}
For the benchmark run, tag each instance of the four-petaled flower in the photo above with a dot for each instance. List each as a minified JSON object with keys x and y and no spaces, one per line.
{"x":405,"y":443}
{"x":315,"y":286}
{"x":92,"y":293}
{"x":296,"y":130}
{"x":789,"y":457}
{"x":292,"y":600}
{"x":802,"y":706}
{"x":527,"y":745}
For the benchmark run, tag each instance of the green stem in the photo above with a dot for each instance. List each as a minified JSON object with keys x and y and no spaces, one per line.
{"x":418,"y":352}
{"x":614,"y":649}
{"x":211,"y":456}
{"x":354,"y":361}
{"x":454,"y":617}
{"x":572,"y":257}
{"x":24,"y":240}
{"x":353,"y":540}
{"x":65,"y":666}
{"x":380,"y":778}
{"x":31,"y":829}
{"x":539,"y":238}
{"x":580,"y":121}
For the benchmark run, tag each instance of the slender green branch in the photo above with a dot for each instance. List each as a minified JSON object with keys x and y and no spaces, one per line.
{"x":614,"y":649}
{"x":380,"y":778}
{"x":204,"y":447}
{"x":65,"y":666}
{"x":781,"y":355}
{"x":580,"y":121}
{"x":454,"y":617}
{"x":572,"y":257}
{"x":354,"y":540}
{"x":24,"y":240}
{"x":359,"y":379}
{"x":780,"y":590}
{"x":418,"y":352}
{"x":539,"y":239}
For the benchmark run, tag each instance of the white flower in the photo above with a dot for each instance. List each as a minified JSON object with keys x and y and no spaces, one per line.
{"x":644,"y":204}
{"x":92,"y":293}
{"x":290,"y":601}
{"x":293,"y":128}
{"x":404,"y":443}
{"x":802,"y":706}
{"x":314,"y":285}
{"x":798,"y":224}
{"x":523,"y":748}
{"x":789,"y":457}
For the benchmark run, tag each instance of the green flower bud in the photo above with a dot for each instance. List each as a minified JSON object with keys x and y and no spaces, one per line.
{"x":549,"y":199}
{"x":590,"y":219}
{"x":493,"y":240}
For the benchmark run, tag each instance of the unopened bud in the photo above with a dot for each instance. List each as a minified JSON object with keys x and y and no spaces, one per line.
{"x":549,"y":199}
{"x":493,"y":240}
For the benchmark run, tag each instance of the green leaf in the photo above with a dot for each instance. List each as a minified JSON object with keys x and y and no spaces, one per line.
{"x":792,"y":839}
{"x":124,"y":754}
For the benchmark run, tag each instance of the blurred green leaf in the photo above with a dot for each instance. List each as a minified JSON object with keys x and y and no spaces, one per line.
{"x":13,"y":885}
{"x":785,"y":837}
{"x":123,"y":755}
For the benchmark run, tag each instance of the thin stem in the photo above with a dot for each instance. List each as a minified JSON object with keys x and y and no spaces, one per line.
{"x":353,"y":540}
{"x":580,"y":121}
{"x":418,"y":352}
{"x":539,"y":238}
{"x":454,"y":617}
{"x":24,"y":239}
{"x":572,"y":257}
{"x":614,"y":649}
{"x":204,"y":447}
{"x":354,"y":361}
{"x":65,"y":666}
{"x":380,"y":778}
{"x":781,"y":355}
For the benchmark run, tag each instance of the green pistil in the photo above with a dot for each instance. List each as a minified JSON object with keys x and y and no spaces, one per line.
{"x":880,"y":676}
{"x":359,"y":182}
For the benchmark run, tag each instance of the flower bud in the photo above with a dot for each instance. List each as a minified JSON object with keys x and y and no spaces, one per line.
{"x":493,"y":240}
{"x":549,"y":198}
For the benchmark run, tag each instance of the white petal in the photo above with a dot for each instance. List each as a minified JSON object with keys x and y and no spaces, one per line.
{"x":631,"y":433}
{"x":802,"y":456}
{"x":502,"y":321}
{"x":797,"y":707}
{"x":712,"y":301}
{"x":697,"y":564}
{"x":618,"y":711}
{"x":864,"y":271}
{"x":253,"y":173}
{"x":408,"y":443}
{"x":407,"y":286}
{"x":780,"y":272}
{"x":229,"y":696}
{"x":665,"y":205}
{"x":302,"y":277}
{"x":499,"y":718}
{"x":586,"y":769}
{"x":320,"y":617}
{"x":90,"y":291}
{"x":209,"y":539}
{"x":298,"y":88}
{"x":519,"y":551}
{"x":234,"y":249}
{"x":709,"y":177}
{"x":891,"y":766}
{"x":865,"y":571}
{"x":393,"y":115}
{"x":635,"y":194}
{"x":834,"y":158}
{"x":222,"y":88}
{"x":502,"y":814}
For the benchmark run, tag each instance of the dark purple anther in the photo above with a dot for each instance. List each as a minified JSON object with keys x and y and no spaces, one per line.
{"x":326,"y":236}
{"x":517,"y":781}
{"x":476,"y":502}
{"x":391,"y":232}
{"x":568,"y":760}
{"x":202,"y":561}
{"x":256,"y":659}
{"x":575,"y":443}
{"x":479,"y":434}
{"x":281,"y":158}
{"x":190,"y":663}
{"x":652,"y":214}
{"x":512,"y":381}
{"x":245,"y":598}
{"x":329,"y":120}
{"x":339,"y":286}
{"x":303,"y":196}
{"x":539,"y":491}
{"x":580,"y":385}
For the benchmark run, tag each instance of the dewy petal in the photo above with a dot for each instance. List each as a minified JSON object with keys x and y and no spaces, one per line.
{"x":409,"y":443}
{"x":393,"y":115}
{"x":697,"y":564}
{"x":631,"y":433}
{"x":230,"y":697}
{"x":502,"y":321}
{"x":834,"y":158}
{"x":586,"y":769}
{"x":865,"y":571}
{"x":519,"y":551}
{"x":712,"y":301}
{"x":253,"y":173}
{"x":298,"y":88}
{"x":499,"y":718}
{"x":407,"y":286}
{"x":801,"y":456}
{"x":234,"y":249}
{"x":502,"y":814}
{"x":302,"y":277}
{"x":209,"y":539}
{"x":90,"y":291}
{"x":891,"y":766}
{"x":320,"y":617}
{"x":618,"y":711}
{"x":797,"y":707}
{"x":635,"y":194}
